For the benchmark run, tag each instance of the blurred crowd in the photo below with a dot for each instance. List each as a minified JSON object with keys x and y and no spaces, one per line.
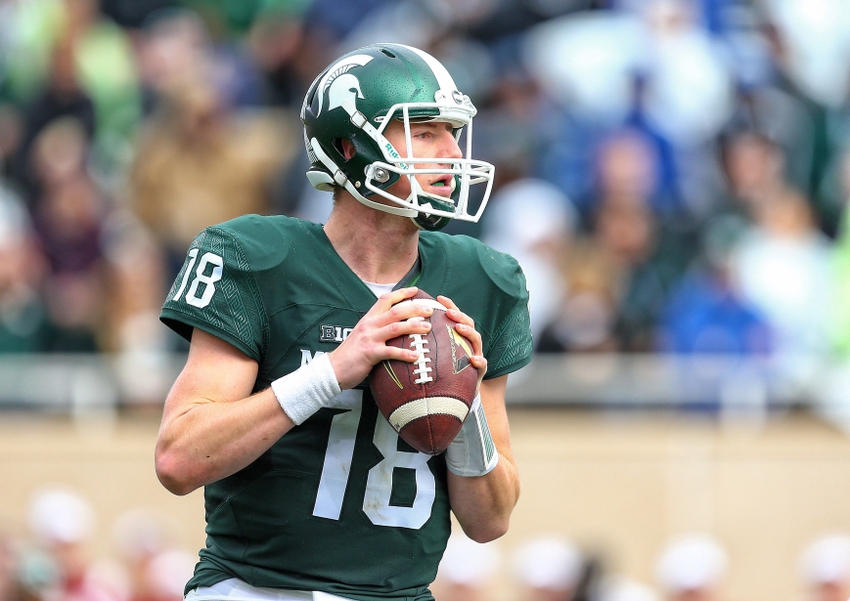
{"x":691,"y":566}
{"x":671,"y":174}
{"x":55,"y":558}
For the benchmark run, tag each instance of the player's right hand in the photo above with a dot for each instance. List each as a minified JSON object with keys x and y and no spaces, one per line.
{"x":366,"y":345}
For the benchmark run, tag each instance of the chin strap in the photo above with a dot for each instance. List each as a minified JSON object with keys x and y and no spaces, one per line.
{"x":430,"y":223}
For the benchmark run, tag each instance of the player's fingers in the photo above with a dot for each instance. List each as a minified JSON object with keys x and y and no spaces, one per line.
{"x":465,"y":325}
{"x":473,"y":336}
{"x":454,"y":312}
{"x":447,"y":302}
{"x":479,"y":362}
{"x":412,"y":325}
{"x":406,"y":354}
{"x":390,"y":309}
{"x":387,"y":300}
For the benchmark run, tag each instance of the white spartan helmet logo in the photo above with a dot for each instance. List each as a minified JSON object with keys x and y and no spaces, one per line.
{"x":341,"y":85}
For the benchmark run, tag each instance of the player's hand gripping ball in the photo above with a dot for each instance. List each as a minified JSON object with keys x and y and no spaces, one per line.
{"x":427,"y":401}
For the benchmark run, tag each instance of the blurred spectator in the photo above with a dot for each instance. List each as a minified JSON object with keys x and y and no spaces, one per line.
{"x":587,"y":317}
{"x":825,"y":568}
{"x":781,"y":265}
{"x":548,"y":568}
{"x":287,"y":55}
{"x":730,"y":340}
{"x":157,"y":569}
{"x":167,"y":574}
{"x":772,"y":112}
{"x":683,"y":96}
{"x":68,"y":214}
{"x":172,"y":47}
{"x":592,"y":96}
{"x":132,"y":14}
{"x":628,"y":170}
{"x":206,"y":41}
{"x":637,"y":68}
{"x":467,"y":571}
{"x":809,"y":47}
{"x":24,"y":323}
{"x":10,"y":586}
{"x":199,"y":162}
{"x":105,"y":64}
{"x":704,"y":313}
{"x":839,"y":316}
{"x":689,"y":85}
{"x":618,"y":588}
{"x":639,"y":252}
{"x":817,"y":51}
{"x":649,"y":247}
{"x":67,"y":58}
{"x":692,"y":567}
{"x":62,"y":98}
{"x":535,"y":222}
{"x":339,"y":19}
{"x":135,"y":276}
{"x":512,"y":123}
{"x":755,"y":166}
{"x":62,"y":523}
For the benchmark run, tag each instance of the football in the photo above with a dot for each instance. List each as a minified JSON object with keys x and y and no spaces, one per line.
{"x":427,"y":401}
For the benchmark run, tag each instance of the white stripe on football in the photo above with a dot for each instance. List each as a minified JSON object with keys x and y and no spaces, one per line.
{"x":418,"y":408}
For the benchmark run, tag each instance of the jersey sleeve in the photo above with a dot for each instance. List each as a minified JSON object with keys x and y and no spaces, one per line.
{"x":510,"y":345}
{"x":216,"y":291}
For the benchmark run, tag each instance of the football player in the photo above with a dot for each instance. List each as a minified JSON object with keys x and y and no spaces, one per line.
{"x":309,"y":492}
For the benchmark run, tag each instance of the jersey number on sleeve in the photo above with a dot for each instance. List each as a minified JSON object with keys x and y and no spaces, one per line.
{"x":379,"y":483}
{"x":203,"y":282}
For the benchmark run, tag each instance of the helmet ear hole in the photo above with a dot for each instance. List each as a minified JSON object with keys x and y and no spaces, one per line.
{"x":344,"y":147}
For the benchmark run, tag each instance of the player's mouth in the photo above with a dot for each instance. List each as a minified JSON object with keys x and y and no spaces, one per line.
{"x":443,"y":186}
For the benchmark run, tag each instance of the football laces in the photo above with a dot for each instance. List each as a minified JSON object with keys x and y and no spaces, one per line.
{"x":423,"y":370}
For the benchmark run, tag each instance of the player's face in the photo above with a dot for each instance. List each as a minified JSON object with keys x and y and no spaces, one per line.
{"x":433,"y":140}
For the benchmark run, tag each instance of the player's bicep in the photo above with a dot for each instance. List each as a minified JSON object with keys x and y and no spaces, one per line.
{"x":201,"y":418}
{"x":215,"y":371}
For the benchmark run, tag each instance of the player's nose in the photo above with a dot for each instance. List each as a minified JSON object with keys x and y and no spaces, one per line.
{"x":449,"y":147}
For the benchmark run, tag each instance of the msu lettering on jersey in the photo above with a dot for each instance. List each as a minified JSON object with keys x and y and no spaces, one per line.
{"x":340,"y":503}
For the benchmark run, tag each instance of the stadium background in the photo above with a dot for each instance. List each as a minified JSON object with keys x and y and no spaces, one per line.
{"x":673,"y":176}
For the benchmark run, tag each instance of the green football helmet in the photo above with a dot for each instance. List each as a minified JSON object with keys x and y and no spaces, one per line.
{"x":355,"y":98}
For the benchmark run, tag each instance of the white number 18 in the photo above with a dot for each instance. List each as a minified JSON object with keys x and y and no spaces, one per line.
{"x":379,"y":484}
{"x":201,"y":277}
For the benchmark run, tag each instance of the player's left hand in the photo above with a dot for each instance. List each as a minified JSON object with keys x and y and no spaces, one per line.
{"x":465,"y":326}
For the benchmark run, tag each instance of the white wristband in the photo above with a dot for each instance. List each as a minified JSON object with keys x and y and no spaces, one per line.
{"x":472,"y":452}
{"x":307,"y":389}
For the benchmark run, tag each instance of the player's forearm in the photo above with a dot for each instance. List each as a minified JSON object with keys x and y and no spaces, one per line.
{"x":212,"y":440}
{"x":482,"y":496}
{"x":211,"y":424}
{"x":483,"y":504}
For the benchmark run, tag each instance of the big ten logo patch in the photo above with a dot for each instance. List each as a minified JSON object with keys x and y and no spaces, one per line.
{"x":331,"y":333}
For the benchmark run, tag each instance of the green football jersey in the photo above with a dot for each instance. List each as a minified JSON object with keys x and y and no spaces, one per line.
{"x":340,"y":503}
